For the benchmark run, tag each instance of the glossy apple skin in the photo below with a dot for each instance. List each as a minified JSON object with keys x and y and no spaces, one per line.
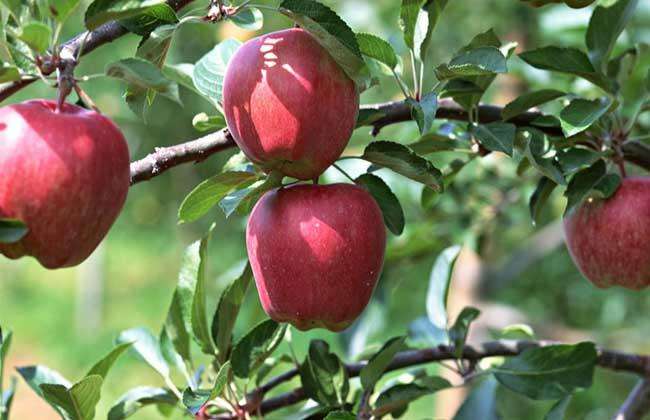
{"x":609,"y":240}
{"x":65,"y":175}
{"x":288,"y":104}
{"x":316,"y":253}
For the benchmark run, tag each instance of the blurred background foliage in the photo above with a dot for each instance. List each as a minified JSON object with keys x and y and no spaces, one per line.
{"x":513,"y":271}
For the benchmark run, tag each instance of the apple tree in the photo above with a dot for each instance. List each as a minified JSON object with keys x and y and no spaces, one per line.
{"x":290,"y":100}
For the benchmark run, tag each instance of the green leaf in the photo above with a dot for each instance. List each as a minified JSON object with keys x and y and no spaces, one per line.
{"x":6,"y":399}
{"x":535,"y":151}
{"x":249,"y":18}
{"x":148,"y":22}
{"x":14,"y":7}
{"x":139,"y":397}
{"x":458,"y":332}
{"x":210,"y":192}
{"x":323,"y":376}
{"x":143,"y":74}
{"x":12,"y":231}
{"x":390,"y":206}
{"x":591,"y":182}
{"x":432,"y":143}
{"x":480,"y":61}
{"x":375,"y":47}
{"x":147,"y":347}
{"x":62,"y":9}
{"x":244,"y":199}
{"x":195,"y":399}
{"x":566,"y":60}
{"x":35,"y":376}
{"x":228,"y":308}
{"x":181,"y":74}
{"x":408,"y":17}
{"x":205,"y":122}
{"x":427,"y":18}
{"x":210,"y":70}
{"x":549,"y":373}
{"x":605,"y":26}
{"x":173,"y":357}
{"x":9,"y":73}
{"x":340,"y":415}
{"x":258,"y":344}
{"x":404,"y":161}
{"x":424,"y":111}
{"x":517,"y":332}
{"x":5,"y":344}
{"x":156,"y":45}
{"x":580,"y":114}
{"x":78,"y":402}
{"x":193,"y":270}
{"x":575,"y":159}
{"x":481,"y":402}
{"x":439,"y":282}
{"x":398,"y":397}
{"x":332,"y":32}
{"x":528,"y":101}
{"x":102,"y":367}
{"x":102,"y":11}
{"x":378,"y":363}
{"x":37,"y":35}
{"x":539,"y":198}
{"x":496,"y":136}
{"x":558,"y":411}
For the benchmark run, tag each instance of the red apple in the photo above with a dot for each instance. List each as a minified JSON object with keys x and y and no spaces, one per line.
{"x":65,"y":175}
{"x":609,"y":240}
{"x":288,"y":104}
{"x":316,"y":253}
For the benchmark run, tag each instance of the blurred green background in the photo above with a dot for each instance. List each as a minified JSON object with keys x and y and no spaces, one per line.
{"x":513,"y":271}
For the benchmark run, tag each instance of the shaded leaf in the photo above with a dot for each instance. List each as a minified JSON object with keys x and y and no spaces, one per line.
{"x":539,"y":197}
{"x":323,"y":376}
{"x":77,"y":402}
{"x":390,"y":206}
{"x":496,"y":136}
{"x":558,"y":411}
{"x":605,"y":26}
{"x":251,"y":351}
{"x":374,"y":369}
{"x":529,"y":100}
{"x":580,"y":114}
{"x":424,"y":111}
{"x":102,"y":11}
{"x":375,"y":47}
{"x":479,"y":61}
{"x":102,"y":367}
{"x":591,"y":182}
{"x":147,"y":347}
{"x":210,"y":70}
{"x":458,"y":332}
{"x":439,"y":282}
{"x":139,"y":397}
{"x":12,"y":231}
{"x":481,"y":402}
{"x":249,"y":18}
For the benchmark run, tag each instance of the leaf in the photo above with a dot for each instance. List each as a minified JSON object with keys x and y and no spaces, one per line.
{"x":404,"y":161}
{"x":517,"y":332}
{"x":458,"y":332}
{"x":549,"y":373}
{"x":147,"y":347}
{"x":150,"y":21}
{"x":244,"y":199}
{"x":139,"y":397}
{"x":340,"y":415}
{"x":528,"y":101}
{"x":399,"y":396}
{"x":194,"y":400}
{"x":12,"y":231}
{"x":193,"y":271}
{"x":78,"y":402}
{"x":210,"y":192}
{"x":424,"y":111}
{"x":155,"y":46}
{"x":439,"y":282}
{"x":173,"y":357}
{"x":432,"y":143}
{"x":143,"y":74}
{"x":580,"y":114}
{"x":496,"y":136}
{"x":37,"y":35}
{"x":62,"y":9}
{"x":575,"y":159}
{"x":9,"y":73}
{"x":378,"y":363}
{"x":566,"y":60}
{"x":539,"y":197}
{"x":5,"y":344}
{"x":210,"y":70}
{"x":591,"y":182}
{"x":375,"y":47}
{"x":228,"y":307}
{"x":181,"y":74}
{"x":390,"y":206}
{"x":427,"y":18}
{"x":408,"y":17}
{"x":332,"y":32}
{"x":102,"y":367}
{"x":35,"y":376}
{"x":535,"y":151}
{"x":481,"y":402}
{"x":249,"y":18}
{"x":6,"y":399}
{"x":558,"y":411}
{"x":605,"y":27}
{"x":251,"y":351}
{"x":323,"y":376}
{"x":205,"y":122}
{"x":102,"y":11}
{"x":480,"y":61}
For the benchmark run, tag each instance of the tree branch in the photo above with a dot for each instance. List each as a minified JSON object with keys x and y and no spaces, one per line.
{"x":608,"y":359}
{"x":637,"y":404}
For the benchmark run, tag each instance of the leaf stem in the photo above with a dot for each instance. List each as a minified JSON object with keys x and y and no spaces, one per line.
{"x":343,"y":172}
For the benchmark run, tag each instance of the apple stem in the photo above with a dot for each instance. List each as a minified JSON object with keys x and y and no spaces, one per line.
{"x":85,"y":98}
{"x":65,"y":77}
{"x":315,"y":181}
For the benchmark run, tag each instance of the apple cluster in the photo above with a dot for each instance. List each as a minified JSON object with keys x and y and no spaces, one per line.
{"x":316,"y":250}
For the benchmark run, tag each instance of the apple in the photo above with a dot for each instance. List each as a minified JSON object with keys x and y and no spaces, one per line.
{"x":609,"y":240}
{"x":288,"y":105}
{"x":316,"y":252}
{"x":65,"y":174}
